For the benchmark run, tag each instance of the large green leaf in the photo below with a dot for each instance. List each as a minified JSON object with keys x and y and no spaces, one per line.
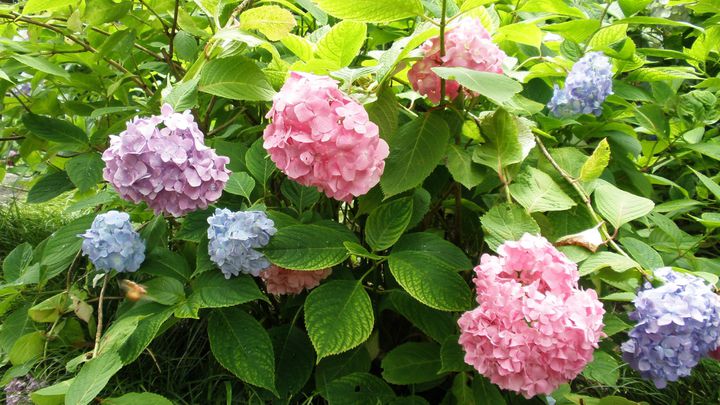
{"x":507,"y":222}
{"x":92,"y":378}
{"x":213,"y":290}
{"x":502,"y":147}
{"x":240,"y":183}
{"x":375,"y":11}
{"x":16,"y":261}
{"x":415,"y":150}
{"x":551,"y":6}
{"x":294,"y":359}
{"x":387,"y":223}
{"x":42,"y":65}
{"x":163,"y":262}
{"x":342,"y":43}
{"x":619,"y":207}
{"x":138,"y":398}
{"x":452,"y":355}
{"x":412,"y":363}
{"x":33,"y":6}
{"x":462,"y":168}
{"x":601,"y":260}
{"x":603,"y":369}
{"x":86,"y":170}
{"x":241,"y":345}
{"x":338,"y":317}
{"x":596,"y":164}
{"x":63,"y":245}
{"x":52,"y":395}
{"x":496,"y":87}
{"x":537,"y":192}
{"x":358,"y":388}
{"x":49,"y":186}
{"x":435,"y":249}
{"x":54,"y":130}
{"x":273,"y":21}
{"x":237,"y":78}
{"x":433,"y":285}
{"x":308,"y":247}
{"x":258,"y":163}
{"x":438,"y":325}
{"x":27,"y":348}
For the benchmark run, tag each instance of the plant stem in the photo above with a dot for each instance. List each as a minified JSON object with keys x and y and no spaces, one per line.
{"x":98,"y":332}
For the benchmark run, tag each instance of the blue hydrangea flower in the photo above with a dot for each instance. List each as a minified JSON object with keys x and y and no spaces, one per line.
{"x":233,"y":238}
{"x":587,"y":85}
{"x":677,"y":324}
{"x":111,"y":243}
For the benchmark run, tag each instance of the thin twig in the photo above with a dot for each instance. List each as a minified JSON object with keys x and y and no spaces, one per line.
{"x":98,"y":332}
{"x":21,"y":102}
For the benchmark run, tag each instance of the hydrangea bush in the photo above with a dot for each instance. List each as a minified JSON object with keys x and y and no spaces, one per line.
{"x":364,"y":202}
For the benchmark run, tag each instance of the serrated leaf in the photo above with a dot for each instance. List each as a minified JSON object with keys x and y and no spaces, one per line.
{"x":54,"y":130}
{"x":643,"y":253}
{"x":600,"y":260}
{"x":502,"y":147}
{"x":213,"y":290}
{"x":162,"y":262}
{"x":507,"y":222}
{"x":342,"y":43}
{"x":240,"y":183}
{"x":258,"y":162}
{"x":300,"y":196}
{"x":374,"y":11}
{"x":552,"y":7}
{"x":308,"y":247}
{"x":438,"y":325}
{"x":338,"y":317}
{"x":596,"y":163}
{"x":358,"y":388}
{"x":630,"y":7}
{"x":16,"y":261}
{"x":86,"y":170}
{"x":294,"y":359}
{"x":433,"y":285}
{"x":452,"y":355}
{"x":49,"y":186}
{"x":603,"y":369}
{"x":538,"y":192}
{"x":415,"y":150}
{"x":236,"y":78}
{"x":92,"y":378}
{"x":412,"y":363}
{"x":241,"y":345}
{"x":619,"y":207}
{"x":497,"y":87}
{"x":462,"y":167}
{"x":273,"y":21}
{"x":387,"y":223}
{"x":62,"y":246}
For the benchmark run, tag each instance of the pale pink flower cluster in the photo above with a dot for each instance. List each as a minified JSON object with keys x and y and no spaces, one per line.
{"x":320,"y":137}
{"x":534,"y":328}
{"x":279,"y":281}
{"x":467,"y":44}
{"x":163,"y":161}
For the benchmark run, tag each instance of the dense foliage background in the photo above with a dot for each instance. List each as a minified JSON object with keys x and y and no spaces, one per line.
{"x":382,"y":328}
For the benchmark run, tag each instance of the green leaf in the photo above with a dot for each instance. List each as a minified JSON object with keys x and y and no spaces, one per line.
{"x":240,"y":183}
{"x":602,"y":260}
{"x":50,"y":309}
{"x":387,"y":223}
{"x":137,"y":329}
{"x":507,"y":222}
{"x":165,"y":290}
{"x":26,"y":348}
{"x":272,"y":21}
{"x":437,"y":325}
{"x":596,"y":164}
{"x":372,"y":11}
{"x":603,"y":369}
{"x":630,"y":7}
{"x":334,"y":367}
{"x":241,"y":345}
{"x":434,"y":286}
{"x":462,"y":168}
{"x":43,"y":65}
{"x":412,"y":363}
{"x":34,"y":6}
{"x":342,"y":43}
{"x":497,"y":87}
{"x":48,"y":187}
{"x":415,"y":150}
{"x":194,"y":226}
{"x":308,"y":247}
{"x":338,"y":317}
{"x":258,"y":162}
{"x":213,"y":290}
{"x":435,"y":250}
{"x":16,"y":261}
{"x":613,"y":324}
{"x":503,"y":145}
{"x":183,"y":95}
{"x":98,"y":12}
{"x":552,"y":7}
{"x":137,"y":398}
{"x":63,"y":245}
{"x":645,"y":255}
{"x":54,"y":130}
{"x":163,"y":262}
{"x":358,"y":388}
{"x":619,"y":207}
{"x":300,"y":196}
{"x":155,"y":232}
{"x":52,"y":395}
{"x":92,"y":378}
{"x":236,"y":78}
{"x":86,"y":170}
{"x":537,"y":192}
{"x":294,"y":359}
{"x":384,"y":112}
{"x":452,"y":355}
{"x":711,"y":185}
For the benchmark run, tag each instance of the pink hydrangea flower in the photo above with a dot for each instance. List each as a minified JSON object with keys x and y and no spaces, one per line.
{"x":534,"y":328}
{"x":320,"y":137}
{"x":279,"y":281}
{"x":163,"y":161}
{"x":467,"y":44}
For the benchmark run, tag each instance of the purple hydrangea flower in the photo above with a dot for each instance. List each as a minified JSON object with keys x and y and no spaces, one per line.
{"x":163,"y":161}
{"x":233,"y":238}
{"x":677,"y":324}
{"x":587,"y":85}
{"x":111,"y":243}
{"x":18,"y":390}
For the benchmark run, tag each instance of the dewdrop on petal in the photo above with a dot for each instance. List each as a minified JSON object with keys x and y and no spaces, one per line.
{"x":279,"y":281}
{"x":111,"y":243}
{"x":163,"y":161}
{"x":467,"y":44}
{"x":322,"y":138}
{"x":534,"y":328}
